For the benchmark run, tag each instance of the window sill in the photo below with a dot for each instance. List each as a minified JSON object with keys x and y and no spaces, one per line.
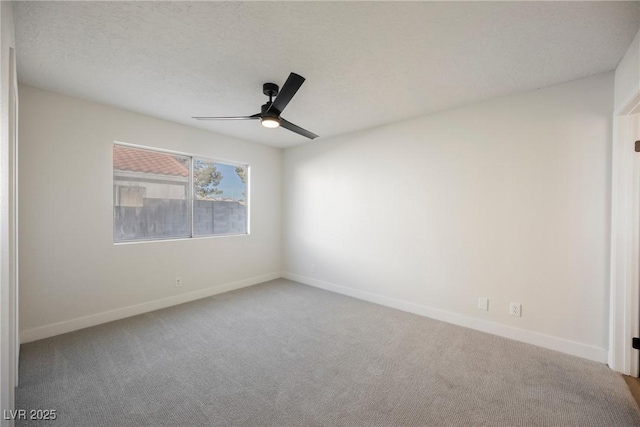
{"x":180,"y":239}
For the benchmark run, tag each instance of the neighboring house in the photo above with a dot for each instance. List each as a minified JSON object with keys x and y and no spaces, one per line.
{"x":141,"y":174}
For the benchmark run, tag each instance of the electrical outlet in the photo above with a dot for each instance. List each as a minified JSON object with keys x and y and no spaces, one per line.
{"x":313,"y":268}
{"x":515,"y":309}
{"x":178,"y":282}
{"x":483,"y":304}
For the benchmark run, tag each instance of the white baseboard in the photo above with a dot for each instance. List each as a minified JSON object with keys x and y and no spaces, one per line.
{"x":535,"y":338}
{"x":541,"y":340}
{"x":120,"y":313}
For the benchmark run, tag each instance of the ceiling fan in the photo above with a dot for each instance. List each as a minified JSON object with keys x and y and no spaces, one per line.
{"x":269,"y":116}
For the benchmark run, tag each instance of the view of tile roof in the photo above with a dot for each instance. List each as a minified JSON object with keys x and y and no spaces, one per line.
{"x":134,"y":160}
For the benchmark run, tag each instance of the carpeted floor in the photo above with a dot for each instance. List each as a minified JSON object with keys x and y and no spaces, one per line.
{"x":286,"y":354}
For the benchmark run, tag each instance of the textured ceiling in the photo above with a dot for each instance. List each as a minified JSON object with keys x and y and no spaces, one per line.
{"x":366,"y":63}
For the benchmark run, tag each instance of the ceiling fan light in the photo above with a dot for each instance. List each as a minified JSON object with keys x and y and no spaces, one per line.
{"x":270,"y":122}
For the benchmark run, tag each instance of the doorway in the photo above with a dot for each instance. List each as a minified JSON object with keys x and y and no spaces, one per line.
{"x":624,"y":321}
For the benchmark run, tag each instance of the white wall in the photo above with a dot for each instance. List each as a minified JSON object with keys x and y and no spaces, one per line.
{"x":627,"y":77}
{"x":507,"y":199}
{"x":7,"y":280}
{"x":70,"y":267}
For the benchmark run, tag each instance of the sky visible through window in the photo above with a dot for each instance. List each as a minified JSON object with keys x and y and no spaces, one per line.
{"x":231,"y":185}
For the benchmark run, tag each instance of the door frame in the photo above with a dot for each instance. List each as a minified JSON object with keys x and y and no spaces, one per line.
{"x":13,"y":209}
{"x":624,"y":300}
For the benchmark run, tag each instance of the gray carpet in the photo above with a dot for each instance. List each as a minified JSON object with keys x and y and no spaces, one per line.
{"x":281,"y":353}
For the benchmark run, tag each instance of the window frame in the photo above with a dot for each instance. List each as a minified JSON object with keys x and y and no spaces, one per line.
{"x":191,"y":199}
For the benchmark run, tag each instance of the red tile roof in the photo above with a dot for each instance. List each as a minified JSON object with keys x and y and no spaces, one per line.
{"x":131,"y":159}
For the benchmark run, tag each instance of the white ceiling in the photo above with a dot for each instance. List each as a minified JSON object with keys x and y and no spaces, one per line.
{"x":366,"y":63}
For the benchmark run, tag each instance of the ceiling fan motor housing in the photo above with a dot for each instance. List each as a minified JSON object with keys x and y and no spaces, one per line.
{"x":269,"y":113}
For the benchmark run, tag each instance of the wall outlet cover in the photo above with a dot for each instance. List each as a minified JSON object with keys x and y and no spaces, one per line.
{"x":515,"y":309}
{"x":483,"y":304}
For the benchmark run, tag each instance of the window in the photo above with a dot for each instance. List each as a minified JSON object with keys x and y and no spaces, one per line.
{"x":161,"y":195}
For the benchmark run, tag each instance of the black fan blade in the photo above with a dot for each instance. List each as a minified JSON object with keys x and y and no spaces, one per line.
{"x":254,"y":117}
{"x":291,"y":86}
{"x":297,"y":129}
